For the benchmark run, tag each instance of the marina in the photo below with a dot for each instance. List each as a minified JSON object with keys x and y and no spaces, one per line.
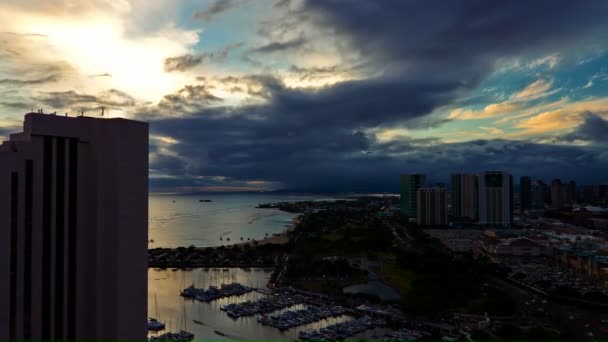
{"x":206,"y":320}
{"x":343,"y":330}
{"x":178,"y":336}
{"x":214,"y":293}
{"x":290,"y":319}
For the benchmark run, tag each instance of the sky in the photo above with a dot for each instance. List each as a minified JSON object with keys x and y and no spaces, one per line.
{"x":322,"y":95}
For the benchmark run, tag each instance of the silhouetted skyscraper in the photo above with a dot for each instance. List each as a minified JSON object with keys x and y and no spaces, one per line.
{"x":432,"y":207}
{"x":571,"y":193}
{"x":73,"y":230}
{"x":464,"y":196}
{"x":496,"y":198}
{"x":525,"y":193}
{"x":603,"y":193}
{"x":538,"y":195}
{"x":588,"y":194}
{"x":409,"y":185}
{"x":558,"y":194}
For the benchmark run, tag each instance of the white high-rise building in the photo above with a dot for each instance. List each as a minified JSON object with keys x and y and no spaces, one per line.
{"x":495,"y":199}
{"x":73,"y":230}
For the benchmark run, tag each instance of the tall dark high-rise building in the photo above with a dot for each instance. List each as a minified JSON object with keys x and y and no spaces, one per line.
{"x":464,"y":196}
{"x":73,"y":230}
{"x":495,"y":199}
{"x":558,"y":194}
{"x":538,"y":195}
{"x":432,"y":207}
{"x":571,"y":193}
{"x":588,"y":194}
{"x":409,"y":185}
{"x":525,"y":193}
{"x":602,"y":193}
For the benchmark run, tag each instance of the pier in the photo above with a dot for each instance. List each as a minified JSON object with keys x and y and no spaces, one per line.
{"x":296,"y":318}
{"x":343,"y":330}
{"x":214,"y":293}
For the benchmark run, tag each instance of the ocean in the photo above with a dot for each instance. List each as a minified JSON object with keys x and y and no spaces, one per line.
{"x":183,"y":220}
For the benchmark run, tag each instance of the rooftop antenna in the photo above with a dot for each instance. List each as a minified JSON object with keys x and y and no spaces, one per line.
{"x":82,"y":113}
{"x":102,"y":110}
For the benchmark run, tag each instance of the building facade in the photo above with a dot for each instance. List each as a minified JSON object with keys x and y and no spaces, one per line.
{"x":432,"y":207}
{"x":525,"y":193}
{"x":409,"y":185}
{"x":495,"y":199}
{"x":73,"y":230}
{"x":464,"y":197}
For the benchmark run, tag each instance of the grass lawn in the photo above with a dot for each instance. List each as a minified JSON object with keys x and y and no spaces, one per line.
{"x":328,"y":286}
{"x":396,"y":277}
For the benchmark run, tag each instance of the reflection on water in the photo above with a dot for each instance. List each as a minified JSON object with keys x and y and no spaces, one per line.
{"x":182,"y":220}
{"x":179,"y":313}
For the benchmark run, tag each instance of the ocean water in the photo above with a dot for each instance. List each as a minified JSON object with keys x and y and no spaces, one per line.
{"x":182,"y":220}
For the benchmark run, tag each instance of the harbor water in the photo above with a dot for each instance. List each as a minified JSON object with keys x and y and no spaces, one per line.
{"x":206,"y":320}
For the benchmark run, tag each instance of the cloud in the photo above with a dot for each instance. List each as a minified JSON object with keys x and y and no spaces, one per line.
{"x":592,"y":129}
{"x":17,"y":82}
{"x":566,"y":116}
{"x":181,"y":63}
{"x":216,"y":8}
{"x":516,"y":102}
{"x":73,"y":102}
{"x":317,"y":140}
{"x":489,"y":111}
{"x":533,"y":90}
{"x":189,"y":61}
{"x":492,"y":130}
{"x":279,"y":46}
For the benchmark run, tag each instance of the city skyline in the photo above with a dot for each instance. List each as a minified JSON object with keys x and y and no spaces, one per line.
{"x":264,"y":95}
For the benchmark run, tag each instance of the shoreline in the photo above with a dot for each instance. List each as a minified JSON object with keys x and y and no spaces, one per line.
{"x":280,"y":238}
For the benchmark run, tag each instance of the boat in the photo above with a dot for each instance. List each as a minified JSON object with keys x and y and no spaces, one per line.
{"x":198,"y":322}
{"x":155,"y":325}
{"x":219,"y":333}
{"x":188,"y":336}
{"x":205,"y":200}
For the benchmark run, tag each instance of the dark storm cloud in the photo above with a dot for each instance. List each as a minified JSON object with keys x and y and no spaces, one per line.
{"x":428,"y":54}
{"x":5,"y":131}
{"x":323,"y":158}
{"x":442,"y":33}
{"x":593,"y":129}
{"x":216,"y":8}
{"x":189,"y":61}
{"x":279,"y":46}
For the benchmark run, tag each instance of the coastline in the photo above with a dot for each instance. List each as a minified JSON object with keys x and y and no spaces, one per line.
{"x":280,"y":238}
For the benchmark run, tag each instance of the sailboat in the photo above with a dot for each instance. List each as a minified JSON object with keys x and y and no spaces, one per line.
{"x":153,"y":323}
{"x":183,"y":334}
